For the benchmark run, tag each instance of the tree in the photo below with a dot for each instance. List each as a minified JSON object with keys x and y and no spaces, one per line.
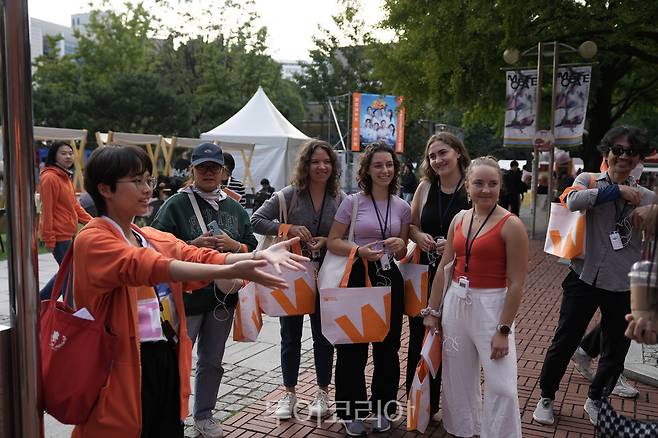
{"x":448,"y":53}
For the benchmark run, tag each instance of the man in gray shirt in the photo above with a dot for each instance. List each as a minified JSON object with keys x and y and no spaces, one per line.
{"x":600,"y":280}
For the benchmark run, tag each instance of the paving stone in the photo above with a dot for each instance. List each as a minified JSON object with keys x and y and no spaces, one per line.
{"x":242,"y":391}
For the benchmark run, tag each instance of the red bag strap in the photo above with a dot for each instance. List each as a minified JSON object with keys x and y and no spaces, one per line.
{"x":348,"y":268}
{"x":65,"y":271}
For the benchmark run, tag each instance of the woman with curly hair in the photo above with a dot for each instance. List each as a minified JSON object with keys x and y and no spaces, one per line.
{"x":312,"y":200}
{"x":380,"y":233}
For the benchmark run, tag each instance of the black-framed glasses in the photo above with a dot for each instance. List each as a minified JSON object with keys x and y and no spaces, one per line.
{"x":150,"y":182}
{"x":618,"y":150}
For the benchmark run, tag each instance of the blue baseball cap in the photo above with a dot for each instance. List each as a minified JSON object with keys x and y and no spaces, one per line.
{"x":207,"y":152}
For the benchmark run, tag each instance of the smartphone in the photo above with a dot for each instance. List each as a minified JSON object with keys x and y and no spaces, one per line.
{"x":214,"y":228}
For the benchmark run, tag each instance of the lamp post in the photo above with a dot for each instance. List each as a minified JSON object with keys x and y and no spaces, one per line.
{"x":586,"y":50}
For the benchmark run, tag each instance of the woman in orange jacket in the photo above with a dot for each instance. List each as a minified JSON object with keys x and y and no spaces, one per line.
{"x":141,"y":274}
{"x":60,"y":210}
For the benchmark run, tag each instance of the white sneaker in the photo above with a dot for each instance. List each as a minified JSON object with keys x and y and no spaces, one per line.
{"x":583,"y":364}
{"x":544,"y":412}
{"x":355,"y":427}
{"x":320,"y":404}
{"x":381,"y":424}
{"x":208,"y":428}
{"x":592,"y":408}
{"x":286,"y":406}
{"x":624,"y":389}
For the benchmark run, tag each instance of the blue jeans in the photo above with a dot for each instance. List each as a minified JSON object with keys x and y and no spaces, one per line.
{"x":291,"y":348}
{"x":59,"y":252}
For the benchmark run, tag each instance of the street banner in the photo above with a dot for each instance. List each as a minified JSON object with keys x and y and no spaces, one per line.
{"x":520,"y":110}
{"x":377,"y":118}
{"x":571,"y":97}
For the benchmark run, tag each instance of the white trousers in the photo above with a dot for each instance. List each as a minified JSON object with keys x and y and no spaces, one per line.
{"x":468,"y":326}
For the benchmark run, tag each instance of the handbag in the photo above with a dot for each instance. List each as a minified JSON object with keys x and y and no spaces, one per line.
{"x":416,"y":280}
{"x":418,"y":403}
{"x":264,"y":241}
{"x":565,"y":235}
{"x":355,"y":315}
{"x":248,"y":320}
{"x":297,"y":299}
{"x":613,"y":425}
{"x":227,"y":286}
{"x":76,"y":353}
{"x":333,"y":264}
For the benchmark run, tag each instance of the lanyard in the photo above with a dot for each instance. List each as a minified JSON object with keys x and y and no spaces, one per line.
{"x":618,"y":215}
{"x":388,"y":209}
{"x":469,"y":248}
{"x":444,"y":214}
{"x":324,"y":198}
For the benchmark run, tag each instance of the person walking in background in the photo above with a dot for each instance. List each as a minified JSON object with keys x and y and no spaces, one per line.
{"x":60,"y":210}
{"x":408,"y":182}
{"x":209,"y":310}
{"x":232,"y":186}
{"x":137,"y":276}
{"x":513,"y":187}
{"x":439,"y":197}
{"x":263,"y":194}
{"x":382,"y":220}
{"x":599,"y":281}
{"x":489,"y":246}
{"x":312,"y":200}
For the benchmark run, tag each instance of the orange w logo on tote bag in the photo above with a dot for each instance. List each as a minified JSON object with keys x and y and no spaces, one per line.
{"x":297,"y":299}
{"x":354,"y":315}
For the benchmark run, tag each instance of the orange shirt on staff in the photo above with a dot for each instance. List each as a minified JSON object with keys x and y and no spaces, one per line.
{"x":60,"y":210}
{"x":104,"y":263}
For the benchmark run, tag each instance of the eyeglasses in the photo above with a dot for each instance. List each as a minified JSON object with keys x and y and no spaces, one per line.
{"x":618,"y":150}
{"x":150,"y":182}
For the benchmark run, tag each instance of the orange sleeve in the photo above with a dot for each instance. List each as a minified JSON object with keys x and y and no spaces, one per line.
{"x":83,"y":216}
{"x":48,"y":193}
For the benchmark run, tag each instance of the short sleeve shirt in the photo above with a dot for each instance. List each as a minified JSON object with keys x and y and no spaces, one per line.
{"x":367,"y":228}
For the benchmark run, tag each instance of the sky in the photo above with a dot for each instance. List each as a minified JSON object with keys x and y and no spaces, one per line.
{"x":291,"y":24}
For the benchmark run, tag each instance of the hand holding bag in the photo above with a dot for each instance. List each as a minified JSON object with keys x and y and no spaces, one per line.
{"x":354,"y":315}
{"x":76,"y":353}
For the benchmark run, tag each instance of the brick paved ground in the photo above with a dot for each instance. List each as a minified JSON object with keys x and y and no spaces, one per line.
{"x":250,"y":415}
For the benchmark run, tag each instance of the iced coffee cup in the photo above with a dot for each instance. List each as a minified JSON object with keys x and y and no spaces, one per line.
{"x":644,"y":291}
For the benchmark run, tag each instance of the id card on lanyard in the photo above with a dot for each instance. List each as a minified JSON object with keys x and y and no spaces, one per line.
{"x":385,"y":260}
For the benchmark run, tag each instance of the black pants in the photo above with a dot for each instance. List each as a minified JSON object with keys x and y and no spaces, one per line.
{"x":591,"y":343}
{"x":513,"y":203}
{"x":579,"y":302}
{"x":351,"y":359}
{"x":416,"y":335}
{"x":160,"y":391}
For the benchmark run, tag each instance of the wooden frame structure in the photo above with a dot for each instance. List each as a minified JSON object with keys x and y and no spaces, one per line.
{"x":151,"y":142}
{"x":77,"y":138}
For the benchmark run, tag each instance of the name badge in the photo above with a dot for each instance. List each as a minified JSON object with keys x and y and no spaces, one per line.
{"x":385,"y":262}
{"x":615,"y":240}
{"x":462,"y":287}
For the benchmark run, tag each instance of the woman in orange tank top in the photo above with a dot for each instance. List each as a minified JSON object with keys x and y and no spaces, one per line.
{"x":489,"y":247}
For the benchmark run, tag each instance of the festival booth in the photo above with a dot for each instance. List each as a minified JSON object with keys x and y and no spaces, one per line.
{"x":276,"y":141}
{"x":151,"y":142}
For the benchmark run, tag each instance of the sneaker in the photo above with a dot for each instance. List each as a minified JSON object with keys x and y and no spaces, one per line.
{"x":592,"y":408}
{"x":544,"y":412}
{"x":583,"y":364}
{"x":381,"y":424}
{"x":208,"y":428}
{"x":355,"y":427}
{"x":624,"y":389}
{"x":320,"y":404}
{"x":286,"y":406}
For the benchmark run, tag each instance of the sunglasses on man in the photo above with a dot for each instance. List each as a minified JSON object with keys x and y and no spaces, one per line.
{"x":618,"y":150}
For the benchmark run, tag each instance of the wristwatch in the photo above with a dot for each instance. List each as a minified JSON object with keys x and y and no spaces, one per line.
{"x":503,"y":329}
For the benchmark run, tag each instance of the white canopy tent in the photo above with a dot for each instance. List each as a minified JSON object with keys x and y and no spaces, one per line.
{"x":276,"y":140}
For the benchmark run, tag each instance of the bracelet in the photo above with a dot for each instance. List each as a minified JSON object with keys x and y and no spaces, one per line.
{"x":428,"y":311}
{"x":254,"y":254}
{"x":357,"y":251}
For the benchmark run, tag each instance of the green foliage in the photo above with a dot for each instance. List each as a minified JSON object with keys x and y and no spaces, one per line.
{"x":448,"y":54}
{"x":123,"y":78}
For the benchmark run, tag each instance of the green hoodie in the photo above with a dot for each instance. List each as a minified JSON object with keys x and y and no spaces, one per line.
{"x":176,"y":216}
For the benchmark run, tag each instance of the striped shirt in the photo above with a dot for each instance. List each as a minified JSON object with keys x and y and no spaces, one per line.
{"x":236,"y":186}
